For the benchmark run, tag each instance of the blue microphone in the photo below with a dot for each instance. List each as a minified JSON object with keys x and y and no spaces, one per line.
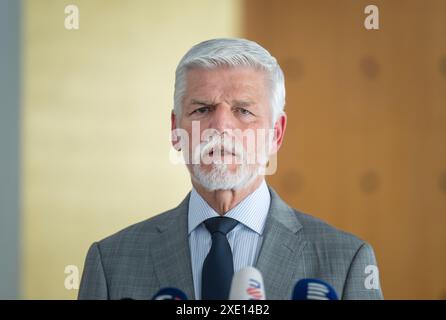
{"x":170,"y":294}
{"x":313,"y":289}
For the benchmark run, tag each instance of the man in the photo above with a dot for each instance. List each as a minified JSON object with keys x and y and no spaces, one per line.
{"x":228,"y":93}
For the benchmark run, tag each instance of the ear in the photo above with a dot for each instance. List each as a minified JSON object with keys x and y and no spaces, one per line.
{"x":279,"y":132}
{"x":175,"y":138}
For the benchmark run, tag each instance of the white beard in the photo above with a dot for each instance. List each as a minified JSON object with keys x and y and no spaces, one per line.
{"x":220,"y":177}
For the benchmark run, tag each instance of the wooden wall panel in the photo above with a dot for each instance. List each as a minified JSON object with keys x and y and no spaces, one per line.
{"x":365,"y":147}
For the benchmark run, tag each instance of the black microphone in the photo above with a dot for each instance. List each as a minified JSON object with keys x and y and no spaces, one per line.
{"x":313,"y":289}
{"x":170,"y":294}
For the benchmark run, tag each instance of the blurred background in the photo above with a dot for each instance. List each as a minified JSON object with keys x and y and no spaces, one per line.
{"x":85,"y":126}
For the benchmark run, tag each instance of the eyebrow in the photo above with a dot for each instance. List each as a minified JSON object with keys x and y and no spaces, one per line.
{"x":202,"y":102}
{"x":210,"y":103}
{"x":242,"y":103}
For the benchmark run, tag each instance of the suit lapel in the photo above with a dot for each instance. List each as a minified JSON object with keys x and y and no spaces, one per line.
{"x":171,"y":254}
{"x":282,"y":244}
{"x":278,"y":259}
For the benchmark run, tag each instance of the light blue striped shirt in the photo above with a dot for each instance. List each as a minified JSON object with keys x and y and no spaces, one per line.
{"x":245,"y":239}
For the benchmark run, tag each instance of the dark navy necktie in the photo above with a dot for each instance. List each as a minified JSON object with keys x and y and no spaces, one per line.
{"x":218,"y":267}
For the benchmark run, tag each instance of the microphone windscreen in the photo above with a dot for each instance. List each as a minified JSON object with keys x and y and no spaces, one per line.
{"x":313,"y":289}
{"x":170,"y":294}
{"x":247,"y":284}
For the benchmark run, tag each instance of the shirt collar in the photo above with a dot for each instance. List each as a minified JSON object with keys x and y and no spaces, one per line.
{"x":251,"y":211}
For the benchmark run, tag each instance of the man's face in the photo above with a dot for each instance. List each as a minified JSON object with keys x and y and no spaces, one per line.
{"x":232,"y":108}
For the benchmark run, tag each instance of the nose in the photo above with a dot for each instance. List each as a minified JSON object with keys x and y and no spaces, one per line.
{"x":222,"y":118}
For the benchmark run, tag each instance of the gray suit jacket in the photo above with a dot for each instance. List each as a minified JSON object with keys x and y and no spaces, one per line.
{"x":143,"y":258}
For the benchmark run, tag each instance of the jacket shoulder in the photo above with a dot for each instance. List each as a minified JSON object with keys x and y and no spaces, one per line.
{"x":138,"y":231}
{"x":322,"y":234}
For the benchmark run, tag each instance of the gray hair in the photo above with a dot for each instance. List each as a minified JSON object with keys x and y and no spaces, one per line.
{"x":232,"y":52}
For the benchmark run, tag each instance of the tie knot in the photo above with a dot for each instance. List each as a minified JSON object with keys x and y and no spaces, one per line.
{"x":220,"y":224}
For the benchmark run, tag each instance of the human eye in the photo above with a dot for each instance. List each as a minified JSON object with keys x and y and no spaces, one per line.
{"x":201,"y":110}
{"x":244,"y":112}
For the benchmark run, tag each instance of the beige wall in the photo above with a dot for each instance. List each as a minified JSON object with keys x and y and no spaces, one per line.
{"x":96,"y":114}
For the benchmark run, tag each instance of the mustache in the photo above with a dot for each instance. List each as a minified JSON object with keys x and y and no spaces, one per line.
{"x":219,"y":146}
